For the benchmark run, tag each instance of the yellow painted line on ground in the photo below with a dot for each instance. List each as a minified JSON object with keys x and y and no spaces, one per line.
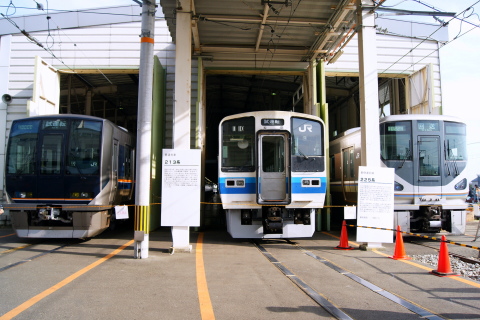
{"x":460,"y":278}
{"x":8,"y":235}
{"x":334,"y":236}
{"x":206,"y":309}
{"x":27,"y":304}
{"x":17,"y":248}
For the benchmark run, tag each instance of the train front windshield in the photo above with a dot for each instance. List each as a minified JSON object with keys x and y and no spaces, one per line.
{"x":238,"y":152}
{"x":455,"y":141}
{"x":38,"y":146}
{"x":396,"y":140}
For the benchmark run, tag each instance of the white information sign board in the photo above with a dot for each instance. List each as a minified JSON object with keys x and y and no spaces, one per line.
{"x":181,"y":186}
{"x":121,"y":212}
{"x":375,"y":204}
{"x":349,"y":213}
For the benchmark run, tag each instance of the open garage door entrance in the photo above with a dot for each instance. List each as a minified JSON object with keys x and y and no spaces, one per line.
{"x":108,"y":94}
{"x":344,"y":105}
{"x":228,"y":94}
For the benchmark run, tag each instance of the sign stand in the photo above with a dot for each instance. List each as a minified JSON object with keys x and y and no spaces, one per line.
{"x":181,"y":186}
{"x":375,"y":205}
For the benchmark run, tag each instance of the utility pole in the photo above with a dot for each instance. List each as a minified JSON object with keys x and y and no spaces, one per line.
{"x":144,"y":132}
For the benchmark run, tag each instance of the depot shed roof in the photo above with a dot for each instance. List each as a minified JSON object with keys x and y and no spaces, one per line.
{"x":282,"y":31}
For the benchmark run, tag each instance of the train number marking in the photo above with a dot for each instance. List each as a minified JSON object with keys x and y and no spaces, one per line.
{"x":172,"y":161}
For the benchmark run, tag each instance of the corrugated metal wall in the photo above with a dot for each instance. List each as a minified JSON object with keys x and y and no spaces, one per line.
{"x":115,"y":46}
{"x":398,"y":57}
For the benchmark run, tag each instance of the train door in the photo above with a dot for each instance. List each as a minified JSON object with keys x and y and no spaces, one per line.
{"x":428,"y":171}
{"x":273,"y":174}
{"x":50,"y":178}
{"x":348,"y":178}
{"x":114,"y":171}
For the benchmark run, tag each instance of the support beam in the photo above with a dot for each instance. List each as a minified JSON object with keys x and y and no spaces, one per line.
{"x":369,"y":120}
{"x":322,"y":106}
{"x":182,"y":104}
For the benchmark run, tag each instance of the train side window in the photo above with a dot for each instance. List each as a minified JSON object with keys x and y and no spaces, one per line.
{"x":345,"y":163}
{"x":352,"y":167}
{"x":128,"y":162}
{"x":332,"y":167}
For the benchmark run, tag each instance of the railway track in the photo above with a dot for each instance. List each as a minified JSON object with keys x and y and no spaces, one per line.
{"x":325,"y":302}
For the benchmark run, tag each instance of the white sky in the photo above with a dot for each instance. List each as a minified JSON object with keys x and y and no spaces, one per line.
{"x":460,"y":67}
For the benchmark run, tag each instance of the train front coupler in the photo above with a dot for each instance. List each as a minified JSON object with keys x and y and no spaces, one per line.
{"x":272,"y":220}
{"x":49,"y":213}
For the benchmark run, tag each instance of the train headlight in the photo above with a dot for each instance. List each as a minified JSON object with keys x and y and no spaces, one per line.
{"x":462,"y":185}
{"x":235,"y":183}
{"x":398,"y":186}
{"x":23,"y":194}
{"x":81,"y":195}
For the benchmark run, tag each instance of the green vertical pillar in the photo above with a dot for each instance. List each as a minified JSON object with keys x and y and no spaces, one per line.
{"x":322,"y":106}
{"x":158,"y":140}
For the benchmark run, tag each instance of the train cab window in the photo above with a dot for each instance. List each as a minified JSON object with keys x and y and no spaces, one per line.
{"x":455,"y":141}
{"x":238,"y":145}
{"x":396,"y":140}
{"x":128,"y":163}
{"x":83,"y":156}
{"x":307,"y":145}
{"x":22,"y":147}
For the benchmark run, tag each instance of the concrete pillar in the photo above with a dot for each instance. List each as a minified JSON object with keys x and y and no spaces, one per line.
{"x":367,"y":51}
{"x":369,"y":118}
{"x":182,"y":102}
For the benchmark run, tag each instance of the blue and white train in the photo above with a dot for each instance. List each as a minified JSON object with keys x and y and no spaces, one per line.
{"x":65,"y":174}
{"x":272,"y":174}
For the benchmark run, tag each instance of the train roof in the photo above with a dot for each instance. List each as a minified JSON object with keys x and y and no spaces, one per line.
{"x":271,"y":113}
{"x":71,"y":116}
{"x":403,"y":117}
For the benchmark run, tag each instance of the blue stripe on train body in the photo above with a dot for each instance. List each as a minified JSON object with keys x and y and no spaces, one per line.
{"x":297,"y":186}
{"x":250,"y":186}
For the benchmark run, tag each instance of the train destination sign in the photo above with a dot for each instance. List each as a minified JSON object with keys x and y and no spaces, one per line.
{"x":375,"y":204}
{"x":272,"y":122}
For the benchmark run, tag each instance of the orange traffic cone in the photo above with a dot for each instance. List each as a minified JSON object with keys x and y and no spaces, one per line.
{"x":399,"y":253}
{"x":344,"y":238}
{"x":443,"y":268}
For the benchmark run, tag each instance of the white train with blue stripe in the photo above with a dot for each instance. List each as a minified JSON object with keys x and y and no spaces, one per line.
{"x":429,"y":155}
{"x":272,"y":174}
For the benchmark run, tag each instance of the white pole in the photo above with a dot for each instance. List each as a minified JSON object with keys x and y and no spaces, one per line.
{"x":369,"y":119}
{"x":182,"y":103}
{"x":144,"y":132}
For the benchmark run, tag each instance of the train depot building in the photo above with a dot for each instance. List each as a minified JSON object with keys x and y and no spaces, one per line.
{"x":213,"y":59}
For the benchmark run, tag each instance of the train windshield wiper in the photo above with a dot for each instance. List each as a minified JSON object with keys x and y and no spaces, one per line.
{"x":407,"y":155}
{"x":302,"y":154}
{"x":76,"y":163}
{"x":451,"y":158}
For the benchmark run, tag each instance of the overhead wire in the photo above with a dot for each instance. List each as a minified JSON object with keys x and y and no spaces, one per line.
{"x":411,"y":50}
